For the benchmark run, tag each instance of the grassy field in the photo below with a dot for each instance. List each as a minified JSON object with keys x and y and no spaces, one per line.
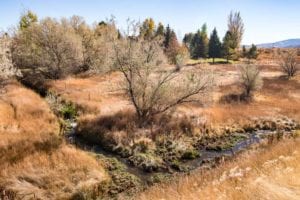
{"x":100,"y":95}
{"x":37,"y":162}
{"x":210,"y":61}
{"x":92,"y":111}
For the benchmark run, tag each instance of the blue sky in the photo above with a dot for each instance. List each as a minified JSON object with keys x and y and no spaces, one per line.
{"x":265,"y":20}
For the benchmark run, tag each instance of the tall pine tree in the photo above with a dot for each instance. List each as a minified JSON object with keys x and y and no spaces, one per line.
{"x":214,"y":45}
{"x":160,"y":31}
{"x":199,"y":44}
{"x":167,"y":39}
{"x":173,"y":48}
{"x":195,"y":45}
{"x":203,"y":46}
{"x":228,"y":47}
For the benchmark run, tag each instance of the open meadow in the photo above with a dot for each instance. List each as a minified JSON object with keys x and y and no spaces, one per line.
{"x":113,"y":110}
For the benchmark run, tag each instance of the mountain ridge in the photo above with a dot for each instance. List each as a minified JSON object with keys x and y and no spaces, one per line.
{"x":289,"y":43}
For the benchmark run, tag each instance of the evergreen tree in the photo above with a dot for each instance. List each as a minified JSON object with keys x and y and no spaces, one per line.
{"x":214,"y":45}
{"x":252,"y":53}
{"x":244,"y":51}
{"x":195,"y":45}
{"x":160,"y":31}
{"x":102,"y":23}
{"x":228,"y":46}
{"x":203,"y":46}
{"x":167,"y":37}
{"x":199,"y":44}
{"x":27,"y":19}
{"x":173,"y":48}
{"x":187,"y":40}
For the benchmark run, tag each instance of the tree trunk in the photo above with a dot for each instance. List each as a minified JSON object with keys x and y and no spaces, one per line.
{"x":248,"y":92}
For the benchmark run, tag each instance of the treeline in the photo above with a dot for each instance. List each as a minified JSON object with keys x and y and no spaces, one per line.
{"x":175,"y":52}
{"x":200,"y":46}
{"x":51,"y":49}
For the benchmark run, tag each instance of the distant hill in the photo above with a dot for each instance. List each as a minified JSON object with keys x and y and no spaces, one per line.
{"x":291,"y":43}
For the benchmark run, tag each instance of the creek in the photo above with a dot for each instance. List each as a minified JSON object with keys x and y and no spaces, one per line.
{"x":207,"y":158}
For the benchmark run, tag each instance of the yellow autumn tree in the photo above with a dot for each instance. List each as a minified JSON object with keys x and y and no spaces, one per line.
{"x":148,"y":28}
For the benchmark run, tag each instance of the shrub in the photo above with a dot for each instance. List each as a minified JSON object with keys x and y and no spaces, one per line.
{"x":68,"y":111}
{"x":232,"y":98}
{"x":288,"y":62}
{"x":159,"y":177}
{"x":177,"y":125}
{"x":143,"y":145}
{"x":112,"y":132}
{"x":250,"y":79}
{"x":181,"y":57}
{"x":147,"y":162}
{"x":252,"y":53}
{"x":190,"y":154}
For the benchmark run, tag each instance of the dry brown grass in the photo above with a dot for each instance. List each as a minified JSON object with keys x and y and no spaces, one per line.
{"x":270,"y":56}
{"x":24,"y":111}
{"x":282,"y":95}
{"x":271,"y":173}
{"x":58,"y":175}
{"x":122,"y":129}
{"x":94,"y":95}
{"x":24,"y":116}
{"x":231,"y":113}
{"x":277,"y":97}
{"x":34,"y":161}
{"x":107,"y":129}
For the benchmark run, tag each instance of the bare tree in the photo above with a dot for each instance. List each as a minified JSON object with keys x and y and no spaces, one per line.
{"x":236,"y":28}
{"x":250,"y":79}
{"x":48,"y":48}
{"x":96,"y":42}
{"x":288,"y":62}
{"x":181,"y":57}
{"x":151,"y":90}
{"x":101,"y":53}
{"x":7,"y":70}
{"x":52,"y":49}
